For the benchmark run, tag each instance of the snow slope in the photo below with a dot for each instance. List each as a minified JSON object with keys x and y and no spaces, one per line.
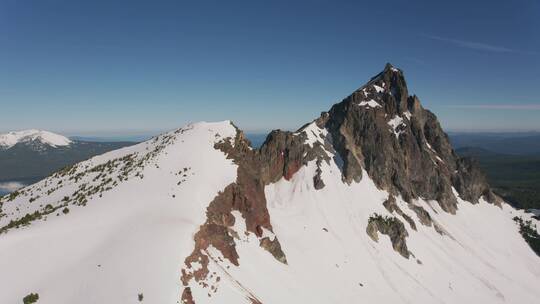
{"x":8,"y":140}
{"x":133,"y":212}
{"x":484,"y":260}
{"x":481,"y":258}
{"x":128,"y":240}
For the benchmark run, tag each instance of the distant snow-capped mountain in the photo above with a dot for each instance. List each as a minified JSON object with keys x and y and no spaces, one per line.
{"x":34,"y":154}
{"x":366,"y":203}
{"x":33,"y":137}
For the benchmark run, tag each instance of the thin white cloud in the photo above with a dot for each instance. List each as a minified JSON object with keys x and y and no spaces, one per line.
{"x":10,"y":186}
{"x":499,"y":106}
{"x":479,"y":46}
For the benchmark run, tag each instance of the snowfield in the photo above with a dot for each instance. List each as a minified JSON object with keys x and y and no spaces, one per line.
{"x":370,"y":103}
{"x":333,"y":260}
{"x":133,"y":238}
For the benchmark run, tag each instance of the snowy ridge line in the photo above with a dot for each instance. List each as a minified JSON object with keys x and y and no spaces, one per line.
{"x":337,"y":212}
{"x":83,"y":181}
{"x":134,"y":233}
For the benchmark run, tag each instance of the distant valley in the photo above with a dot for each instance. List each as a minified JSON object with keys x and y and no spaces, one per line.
{"x":524,"y":143}
{"x":31,"y":155}
{"x":511,"y":162}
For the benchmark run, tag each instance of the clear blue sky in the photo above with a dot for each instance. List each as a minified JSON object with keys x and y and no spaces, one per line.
{"x":128,"y":67}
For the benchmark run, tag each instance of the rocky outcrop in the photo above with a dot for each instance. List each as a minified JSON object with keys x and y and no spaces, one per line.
{"x":187,"y":297}
{"x":422,"y":214}
{"x":274,"y":247}
{"x":318,"y":183}
{"x":400,"y":144}
{"x":391,"y":205}
{"x":281,"y":156}
{"x":471,"y":182}
{"x":393,"y":228}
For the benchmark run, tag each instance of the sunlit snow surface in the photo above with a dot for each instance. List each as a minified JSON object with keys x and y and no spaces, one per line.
{"x":370,"y":103}
{"x":331,"y":259}
{"x":483,"y":257}
{"x":135,"y":238}
{"x":395,"y":123}
{"x":132,"y":240}
{"x":314,"y":134}
{"x":378,"y":89}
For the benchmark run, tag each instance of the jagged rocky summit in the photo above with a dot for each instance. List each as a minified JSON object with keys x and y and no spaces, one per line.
{"x":368,"y":202}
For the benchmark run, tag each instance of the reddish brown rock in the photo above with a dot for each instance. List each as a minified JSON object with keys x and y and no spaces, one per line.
{"x":187,"y":298}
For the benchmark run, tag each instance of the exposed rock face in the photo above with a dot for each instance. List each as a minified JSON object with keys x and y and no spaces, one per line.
{"x":392,"y":227}
{"x":379,"y":129}
{"x":422,"y":214}
{"x":187,"y":297}
{"x":282,"y":155}
{"x":274,"y":247}
{"x":400,"y":144}
{"x":390,"y":205}
{"x":317,"y":180}
{"x":471,"y":182}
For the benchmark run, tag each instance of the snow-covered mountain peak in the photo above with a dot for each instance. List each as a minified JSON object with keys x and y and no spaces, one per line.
{"x":8,"y":140}
{"x":368,"y":203}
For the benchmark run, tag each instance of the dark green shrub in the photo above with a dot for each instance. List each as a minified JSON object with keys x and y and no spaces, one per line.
{"x":31,"y":298}
{"x":528,"y":230}
{"x":13,"y":195}
{"x":23,"y":221}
